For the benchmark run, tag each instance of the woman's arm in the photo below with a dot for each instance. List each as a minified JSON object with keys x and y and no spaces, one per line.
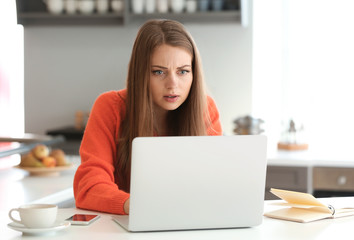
{"x":94,"y":183}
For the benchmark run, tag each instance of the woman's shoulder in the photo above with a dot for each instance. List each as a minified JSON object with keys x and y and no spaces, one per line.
{"x":113,"y":96}
{"x":212,"y":107}
{"x":211,"y":103}
{"x":110,"y":101}
{"x":110,"y":106}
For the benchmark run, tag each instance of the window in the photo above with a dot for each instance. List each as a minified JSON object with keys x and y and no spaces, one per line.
{"x":11,"y":71}
{"x":303,"y":70}
{"x":11,"y":78}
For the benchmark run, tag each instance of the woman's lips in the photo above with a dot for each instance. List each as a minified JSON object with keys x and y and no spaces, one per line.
{"x":171,"y":98}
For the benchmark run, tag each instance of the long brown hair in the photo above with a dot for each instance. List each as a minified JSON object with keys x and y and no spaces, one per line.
{"x":190,"y":119}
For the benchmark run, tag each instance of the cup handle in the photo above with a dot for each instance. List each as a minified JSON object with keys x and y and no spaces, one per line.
{"x":13,"y":219}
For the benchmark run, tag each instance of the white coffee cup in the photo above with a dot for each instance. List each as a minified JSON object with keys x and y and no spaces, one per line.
{"x":35,"y":215}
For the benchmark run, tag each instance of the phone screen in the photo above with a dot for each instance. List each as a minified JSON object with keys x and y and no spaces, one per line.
{"x":82,"y":219}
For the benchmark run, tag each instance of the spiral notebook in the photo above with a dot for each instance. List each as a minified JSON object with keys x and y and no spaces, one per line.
{"x":206,"y":182}
{"x":303,"y":207}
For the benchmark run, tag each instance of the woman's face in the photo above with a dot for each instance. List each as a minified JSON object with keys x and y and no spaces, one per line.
{"x":171,"y":77}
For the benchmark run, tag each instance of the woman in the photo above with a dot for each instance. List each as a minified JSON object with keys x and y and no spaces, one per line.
{"x":165,"y":96}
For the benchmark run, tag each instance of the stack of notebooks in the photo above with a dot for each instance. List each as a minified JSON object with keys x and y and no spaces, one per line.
{"x":303,"y":207}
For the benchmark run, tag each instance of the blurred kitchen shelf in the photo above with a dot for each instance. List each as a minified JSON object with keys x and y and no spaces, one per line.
{"x":45,"y":18}
{"x":197,"y":17}
{"x":34,"y":13}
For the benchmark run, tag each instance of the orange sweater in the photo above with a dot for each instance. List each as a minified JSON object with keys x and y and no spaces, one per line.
{"x":94,"y":183}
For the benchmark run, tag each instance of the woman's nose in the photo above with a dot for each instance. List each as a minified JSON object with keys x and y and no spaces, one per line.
{"x":172,"y":81}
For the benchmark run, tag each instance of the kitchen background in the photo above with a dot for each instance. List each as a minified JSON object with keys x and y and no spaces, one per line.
{"x":279,"y":66}
{"x":290,"y":60}
{"x":67,"y":67}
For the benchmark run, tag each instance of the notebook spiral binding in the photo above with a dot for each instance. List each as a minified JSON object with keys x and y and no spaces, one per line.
{"x":332,"y":209}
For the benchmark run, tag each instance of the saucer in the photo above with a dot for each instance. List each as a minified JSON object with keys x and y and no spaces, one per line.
{"x":38,"y":231}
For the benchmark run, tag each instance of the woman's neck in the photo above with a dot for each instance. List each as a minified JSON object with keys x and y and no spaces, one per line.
{"x":160,"y":122}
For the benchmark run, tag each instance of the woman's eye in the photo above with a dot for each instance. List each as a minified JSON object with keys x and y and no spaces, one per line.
{"x":157,"y":72}
{"x":184,"y":72}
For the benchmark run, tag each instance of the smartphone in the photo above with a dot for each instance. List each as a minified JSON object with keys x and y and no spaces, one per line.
{"x":82,"y":219}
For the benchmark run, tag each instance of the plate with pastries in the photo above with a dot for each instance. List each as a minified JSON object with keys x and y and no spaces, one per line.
{"x":42,"y":160}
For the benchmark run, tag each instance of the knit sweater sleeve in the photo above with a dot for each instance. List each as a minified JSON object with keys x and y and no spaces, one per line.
{"x":94,"y":184}
{"x":215,"y":125}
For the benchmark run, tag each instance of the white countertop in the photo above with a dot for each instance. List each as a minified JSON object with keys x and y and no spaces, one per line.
{"x":310,"y":158}
{"x":18,"y":187}
{"x":106,"y":228}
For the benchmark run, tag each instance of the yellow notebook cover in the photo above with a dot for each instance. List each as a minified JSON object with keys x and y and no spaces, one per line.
{"x":303,"y":207}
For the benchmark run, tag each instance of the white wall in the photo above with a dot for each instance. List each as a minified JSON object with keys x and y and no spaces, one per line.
{"x":66,"y":68}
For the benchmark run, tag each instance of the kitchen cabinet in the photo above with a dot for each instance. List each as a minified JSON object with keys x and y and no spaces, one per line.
{"x":303,"y":171}
{"x":288,"y":178}
{"x":34,"y":12}
{"x":333,"y":181}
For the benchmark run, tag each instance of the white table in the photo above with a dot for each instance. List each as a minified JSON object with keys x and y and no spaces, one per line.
{"x":17,"y":187}
{"x":106,"y":228}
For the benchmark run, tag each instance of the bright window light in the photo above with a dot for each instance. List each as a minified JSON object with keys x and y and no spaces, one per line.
{"x":314,"y":81}
{"x":11,"y":71}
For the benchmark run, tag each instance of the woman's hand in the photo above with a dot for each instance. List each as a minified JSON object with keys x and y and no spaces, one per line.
{"x":126,"y":206}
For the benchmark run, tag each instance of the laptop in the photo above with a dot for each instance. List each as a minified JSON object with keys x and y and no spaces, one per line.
{"x":196,"y":182}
